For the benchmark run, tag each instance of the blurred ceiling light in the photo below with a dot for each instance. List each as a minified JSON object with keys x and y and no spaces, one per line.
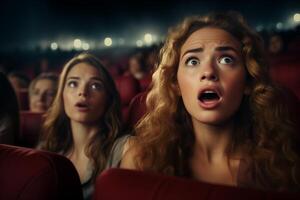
{"x":54,"y":46}
{"x":297,"y":17}
{"x":279,"y":25}
{"x":139,"y":43}
{"x":77,"y":43}
{"x":148,"y":38}
{"x":108,"y":41}
{"x":85,"y":46}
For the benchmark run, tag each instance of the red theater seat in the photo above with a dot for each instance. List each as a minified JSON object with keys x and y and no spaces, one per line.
{"x":36,"y":175}
{"x":124,"y":184}
{"x":137,"y":109}
{"x":287,"y":74}
{"x":145,"y":82}
{"x":128,"y":87}
{"x":23,"y":99}
{"x":30,"y":128}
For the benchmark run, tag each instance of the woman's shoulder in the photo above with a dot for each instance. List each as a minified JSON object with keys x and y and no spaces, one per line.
{"x":129,"y":154}
{"x":118,"y":150}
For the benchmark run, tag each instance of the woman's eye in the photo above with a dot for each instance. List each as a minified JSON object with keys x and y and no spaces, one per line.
{"x":72,"y":84}
{"x":226,"y":60}
{"x":96,"y":86}
{"x":192,"y":61}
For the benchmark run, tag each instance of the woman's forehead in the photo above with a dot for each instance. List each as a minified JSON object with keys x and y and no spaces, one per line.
{"x":84,"y":69}
{"x":210,"y":36}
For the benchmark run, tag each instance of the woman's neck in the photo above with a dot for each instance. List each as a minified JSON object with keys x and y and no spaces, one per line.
{"x":82,"y":135}
{"x":211,"y":141}
{"x":210,"y":161}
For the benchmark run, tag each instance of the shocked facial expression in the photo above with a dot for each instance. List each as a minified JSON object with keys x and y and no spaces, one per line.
{"x":84,"y":95}
{"x":42,"y":95}
{"x":211,"y":76}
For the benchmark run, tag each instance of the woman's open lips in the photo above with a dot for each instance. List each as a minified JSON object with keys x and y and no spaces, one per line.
{"x":82,"y":106}
{"x":209,"y":98}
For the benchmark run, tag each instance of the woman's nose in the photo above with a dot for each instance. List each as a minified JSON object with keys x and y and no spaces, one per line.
{"x":82,"y":91}
{"x":209,"y":72}
{"x":209,"y":76}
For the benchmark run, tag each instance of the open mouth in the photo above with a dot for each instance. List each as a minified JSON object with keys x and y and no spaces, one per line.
{"x":81,"y":105}
{"x":208,"y":96}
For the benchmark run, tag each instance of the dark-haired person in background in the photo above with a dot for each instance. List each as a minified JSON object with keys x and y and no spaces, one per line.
{"x":9,"y":112}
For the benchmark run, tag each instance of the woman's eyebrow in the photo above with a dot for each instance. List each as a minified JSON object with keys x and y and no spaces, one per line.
{"x":92,"y":78}
{"x":73,"y":77}
{"x":96,"y":78}
{"x":196,"y":50}
{"x":227,"y":48}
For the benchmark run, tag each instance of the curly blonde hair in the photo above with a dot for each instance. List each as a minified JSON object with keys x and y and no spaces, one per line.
{"x":57,"y":136}
{"x":263,"y":126}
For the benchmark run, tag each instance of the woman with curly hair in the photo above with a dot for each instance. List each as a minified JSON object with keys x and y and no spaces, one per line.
{"x":84,"y":119}
{"x":215,"y":115}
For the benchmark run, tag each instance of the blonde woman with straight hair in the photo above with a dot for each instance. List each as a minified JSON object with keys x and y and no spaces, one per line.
{"x":84,"y":119}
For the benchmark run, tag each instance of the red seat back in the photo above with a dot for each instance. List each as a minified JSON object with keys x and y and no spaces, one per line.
{"x":134,"y":185}
{"x":145,"y":82}
{"x":137,"y":109}
{"x":287,"y":75}
{"x":35,"y":175}
{"x":23,"y":99}
{"x":128,"y":87}
{"x":30,"y":128}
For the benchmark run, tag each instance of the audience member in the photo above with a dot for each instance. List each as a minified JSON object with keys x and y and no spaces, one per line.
{"x":84,"y":119}
{"x":9,"y":117}
{"x":275,"y":44}
{"x":42,"y":91}
{"x":215,"y":115}
{"x":137,"y":66}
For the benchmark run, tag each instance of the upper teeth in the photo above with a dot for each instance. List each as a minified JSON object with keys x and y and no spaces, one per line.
{"x":209,"y":91}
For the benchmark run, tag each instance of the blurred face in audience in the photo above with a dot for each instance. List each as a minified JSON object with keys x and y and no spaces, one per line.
{"x":134,"y":65}
{"x":84,"y":95}
{"x":276,"y":44}
{"x":42,"y":95}
{"x":211,"y":76}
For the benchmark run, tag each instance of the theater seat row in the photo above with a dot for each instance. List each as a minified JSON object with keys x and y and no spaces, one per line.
{"x":134,"y":185}
{"x":28,"y":174}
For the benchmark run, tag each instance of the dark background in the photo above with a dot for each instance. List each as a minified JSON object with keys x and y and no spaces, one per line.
{"x":27,"y":24}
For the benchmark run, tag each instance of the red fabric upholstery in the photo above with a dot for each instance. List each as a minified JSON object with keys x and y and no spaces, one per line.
{"x":28,"y":174}
{"x":23,"y":99}
{"x":137,"y":109}
{"x":287,"y":75}
{"x":145,"y":82}
{"x":124,"y":184}
{"x":30,"y":128}
{"x":128,"y":87}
